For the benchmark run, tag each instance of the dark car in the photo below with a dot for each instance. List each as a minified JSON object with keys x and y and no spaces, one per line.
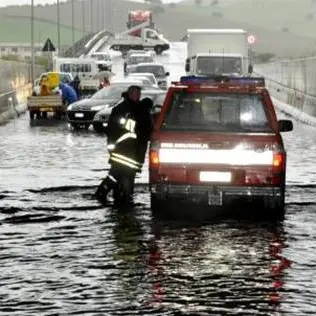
{"x":100,"y":120}
{"x":80,"y":114}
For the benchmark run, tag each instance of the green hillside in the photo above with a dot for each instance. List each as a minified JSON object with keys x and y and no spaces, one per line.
{"x":18,"y":30}
{"x":283,"y":27}
{"x":297,"y":17}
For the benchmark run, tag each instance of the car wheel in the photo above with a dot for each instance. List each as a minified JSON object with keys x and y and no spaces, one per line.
{"x":98,"y":127}
{"x":158,"y":50}
{"x":75,"y":126}
{"x":32,"y":115}
{"x":156,"y":205}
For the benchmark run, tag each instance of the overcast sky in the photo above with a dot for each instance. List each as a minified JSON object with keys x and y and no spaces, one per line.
{"x":4,"y":3}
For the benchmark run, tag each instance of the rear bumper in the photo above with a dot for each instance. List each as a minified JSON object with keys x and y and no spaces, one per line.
{"x":217,"y":195}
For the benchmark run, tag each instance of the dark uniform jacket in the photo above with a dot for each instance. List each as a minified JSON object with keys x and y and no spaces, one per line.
{"x":121,"y":132}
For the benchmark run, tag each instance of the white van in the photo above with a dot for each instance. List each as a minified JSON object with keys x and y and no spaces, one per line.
{"x":85,"y":68}
{"x":103,"y":60}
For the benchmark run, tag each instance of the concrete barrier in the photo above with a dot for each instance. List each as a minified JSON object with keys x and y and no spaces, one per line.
{"x":297,"y":103}
{"x":15,"y":87}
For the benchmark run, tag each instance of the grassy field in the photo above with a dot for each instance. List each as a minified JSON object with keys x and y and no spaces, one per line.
{"x":298,"y":17}
{"x":283,"y":27}
{"x":17,"y":29}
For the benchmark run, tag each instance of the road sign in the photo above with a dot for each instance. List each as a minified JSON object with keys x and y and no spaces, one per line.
{"x":251,"y":39}
{"x":49,"y":46}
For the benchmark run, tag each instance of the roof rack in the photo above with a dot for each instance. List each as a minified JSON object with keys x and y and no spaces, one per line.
{"x":226,"y":80}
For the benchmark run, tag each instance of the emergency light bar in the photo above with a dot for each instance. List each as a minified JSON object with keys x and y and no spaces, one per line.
{"x":255,"y":81}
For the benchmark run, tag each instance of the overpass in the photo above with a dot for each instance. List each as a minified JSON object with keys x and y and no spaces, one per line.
{"x":87,"y":43}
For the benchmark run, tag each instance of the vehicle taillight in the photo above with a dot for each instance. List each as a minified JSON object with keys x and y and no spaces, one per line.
{"x":279,"y":160}
{"x":154,"y":158}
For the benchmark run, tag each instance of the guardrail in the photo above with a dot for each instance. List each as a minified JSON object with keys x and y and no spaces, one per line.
{"x":299,"y":101}
{"x":8,"y":101}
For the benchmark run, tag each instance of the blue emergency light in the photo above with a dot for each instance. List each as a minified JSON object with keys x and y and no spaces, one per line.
{"x":233,"y":80}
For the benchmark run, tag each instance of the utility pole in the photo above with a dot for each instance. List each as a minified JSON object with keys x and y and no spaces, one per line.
{"x":83,"y":18}
{"x":58,"y":27}
{"x":73,"y":23}
{"x":98,"y":15}
{"x":32,"y":42}
{"x":91,"y":12}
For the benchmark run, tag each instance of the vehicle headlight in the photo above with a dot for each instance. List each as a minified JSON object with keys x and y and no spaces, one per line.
{"x":99,"y":107}
{"x":69,"y":108}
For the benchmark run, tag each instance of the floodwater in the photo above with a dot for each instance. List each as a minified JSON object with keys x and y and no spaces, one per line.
{"x":61,"y":253}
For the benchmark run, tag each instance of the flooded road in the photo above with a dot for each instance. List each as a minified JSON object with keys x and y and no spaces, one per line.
{"x":61,"y":253}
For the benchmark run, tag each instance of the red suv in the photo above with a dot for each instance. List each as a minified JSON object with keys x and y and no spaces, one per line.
{"x":216,"y":142}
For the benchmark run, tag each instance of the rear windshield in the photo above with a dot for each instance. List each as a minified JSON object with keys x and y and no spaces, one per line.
{"x":139,"y":59}
{"x":217,"y":65}
{"x":156,"y":70}
{"x":216,"y":112}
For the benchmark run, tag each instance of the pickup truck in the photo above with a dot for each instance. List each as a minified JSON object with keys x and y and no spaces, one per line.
{"x":149,"y":39}
{"x":39,"y":106}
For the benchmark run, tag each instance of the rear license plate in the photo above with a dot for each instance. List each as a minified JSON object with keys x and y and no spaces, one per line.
{"x":46,"y":109}
{"x":214,"y":176}
{"x":79,"y":115}
{"x":215,"y":198}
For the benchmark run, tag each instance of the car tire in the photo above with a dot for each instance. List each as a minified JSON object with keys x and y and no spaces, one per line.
{"x":98,"y":127}
{"x":32,"y":115}
{"x":75,"y":126}
{"x":156,"y":205}
{"x":158,"y":50}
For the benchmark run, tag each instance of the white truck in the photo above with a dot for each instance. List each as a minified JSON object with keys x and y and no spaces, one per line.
{"x":149,"y":40}
{"x":85,"y":68}
{"x":217,"y":52}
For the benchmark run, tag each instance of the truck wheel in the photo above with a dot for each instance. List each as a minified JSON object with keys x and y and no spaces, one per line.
{"x":158,"y":50}
{"x":38,"y":115}
{"x":32,"y":115}
{"x":86,"y":126}
{"x":156,"y":205}
{"x":44,"y":115}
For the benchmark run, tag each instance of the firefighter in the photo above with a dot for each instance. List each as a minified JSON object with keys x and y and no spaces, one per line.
{"x":144,"y":128}
{"x":122,"y":134}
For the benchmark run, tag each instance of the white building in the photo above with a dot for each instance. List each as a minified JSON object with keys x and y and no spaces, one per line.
{"x":20,"y":49}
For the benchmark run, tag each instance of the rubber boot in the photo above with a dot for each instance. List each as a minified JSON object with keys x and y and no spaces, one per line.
{"x":103,"y":190}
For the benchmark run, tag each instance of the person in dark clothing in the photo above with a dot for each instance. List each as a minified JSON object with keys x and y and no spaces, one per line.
{"x":75,"y":84}
{"x":123,"y":133}
{"x":68,"y":94}
{"x":144,"y":128}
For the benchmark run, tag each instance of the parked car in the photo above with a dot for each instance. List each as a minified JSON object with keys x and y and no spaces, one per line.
{"x":80,"y":114}
{"x":135,"y":59}
{"x":158,"y":70}
{"x":150,"y":76}
{"x":100,"y":121}
{"x":103,"y":60}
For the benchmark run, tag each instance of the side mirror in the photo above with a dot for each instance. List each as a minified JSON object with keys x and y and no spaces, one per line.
{"x":167,"y":74}
{"x":285,"y":125}
{"x":250,"y":69}
{"x":187,"y":65}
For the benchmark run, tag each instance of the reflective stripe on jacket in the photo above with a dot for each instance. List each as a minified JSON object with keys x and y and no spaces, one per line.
{"x":124,"y":152}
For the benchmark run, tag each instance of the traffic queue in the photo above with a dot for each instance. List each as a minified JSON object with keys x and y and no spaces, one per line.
{"x":215,"y":140}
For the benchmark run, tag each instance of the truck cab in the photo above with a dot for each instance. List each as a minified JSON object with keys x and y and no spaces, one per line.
{"x":217,"y":64}
{"x":217,"y":144}
{"x":218,"y":52}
